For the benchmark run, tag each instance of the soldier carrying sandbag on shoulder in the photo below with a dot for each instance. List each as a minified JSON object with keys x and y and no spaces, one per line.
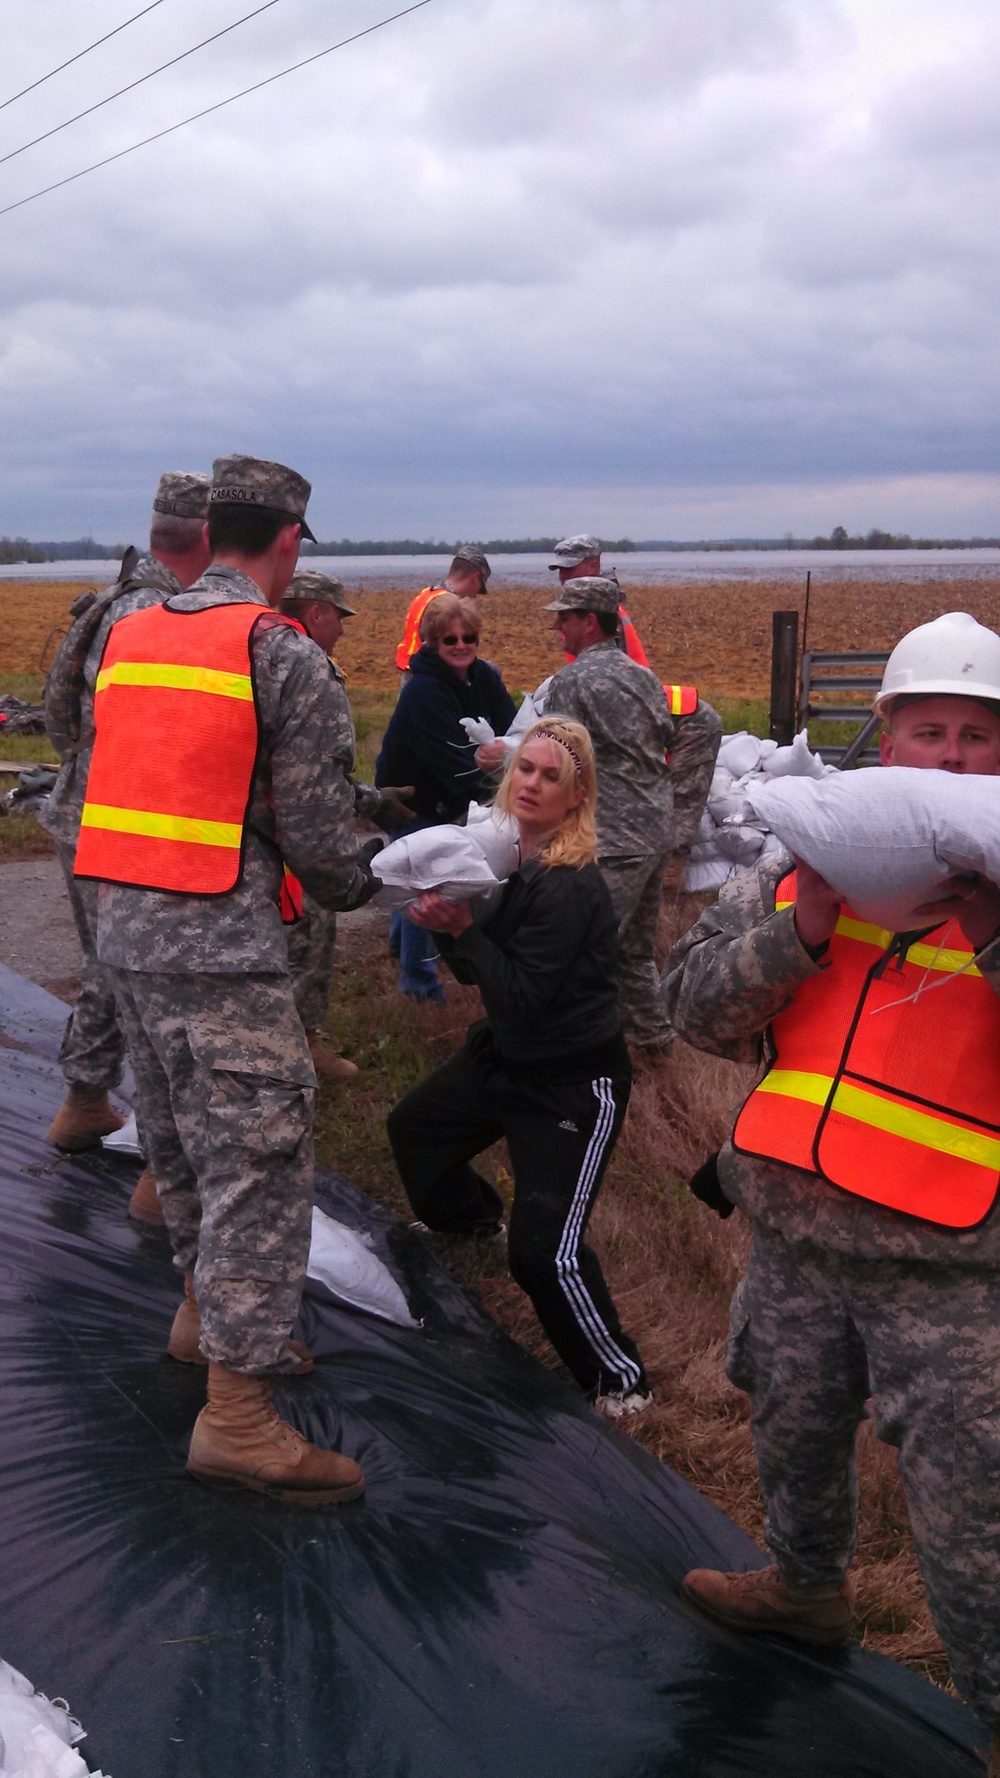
{"x":868,"y":1160}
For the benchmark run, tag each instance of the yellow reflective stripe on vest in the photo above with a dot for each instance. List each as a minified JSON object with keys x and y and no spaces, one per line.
{"x":906,"y":1121}
{"x":176,"y":678}
{"x":163,"y":827}
{"x":923,"y":955}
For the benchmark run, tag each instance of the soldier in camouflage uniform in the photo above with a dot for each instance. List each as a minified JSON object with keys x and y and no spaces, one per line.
{"x":845,"y":1298}
{"x":92,"y":1051}
{"x":623,"y":709}
{"x":317,"y":602}
{"x":223,"y":1070}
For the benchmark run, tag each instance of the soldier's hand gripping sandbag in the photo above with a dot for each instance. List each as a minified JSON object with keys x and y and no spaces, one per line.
{"x":889,"y":841}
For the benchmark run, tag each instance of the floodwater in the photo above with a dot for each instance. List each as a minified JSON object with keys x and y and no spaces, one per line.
{"x":638,"y":567}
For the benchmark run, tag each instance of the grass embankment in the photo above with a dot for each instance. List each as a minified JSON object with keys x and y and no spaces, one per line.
{"x":672,"y":1265}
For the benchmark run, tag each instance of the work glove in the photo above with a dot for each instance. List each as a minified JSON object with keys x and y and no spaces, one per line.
{"x":705,"y":1185}
{"x":391,"y":812}
{"x":371,"y":884}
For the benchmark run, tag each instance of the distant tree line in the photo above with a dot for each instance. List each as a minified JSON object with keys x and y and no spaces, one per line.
{"x":839,"y":538}
{"x":84,"y":549}
{"x":79,"y":549}
{"x":411,"y":546}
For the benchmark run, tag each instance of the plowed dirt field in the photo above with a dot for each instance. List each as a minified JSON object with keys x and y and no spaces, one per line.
{"x":715,"y":635}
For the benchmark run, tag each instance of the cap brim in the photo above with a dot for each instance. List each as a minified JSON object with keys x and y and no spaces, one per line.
{"x":346,"y":610}
{"x":306,"y":531}
{"x":560,"y":605}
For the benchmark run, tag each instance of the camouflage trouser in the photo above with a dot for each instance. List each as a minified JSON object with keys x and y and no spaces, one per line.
{"x":636,"y":886}
{"x":812,"y":1334}
{"x":311,"y":942}
{"x":226,"y":1088}
{"x":92,"y":1052}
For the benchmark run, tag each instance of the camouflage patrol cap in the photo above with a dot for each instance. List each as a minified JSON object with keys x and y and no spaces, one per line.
{"x":590,"y":592}
{"x":467,"y":552}
{"x":573,"y":550}
{"x":183,"y":494}
{"x":272,"y":487}
{"x":314,"y":588}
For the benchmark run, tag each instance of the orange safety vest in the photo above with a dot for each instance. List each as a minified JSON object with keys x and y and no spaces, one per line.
{"x":683,"y":699}
{"x":411,"y":629}
{"x":900,"y":1106}
{"x":175,"y":750}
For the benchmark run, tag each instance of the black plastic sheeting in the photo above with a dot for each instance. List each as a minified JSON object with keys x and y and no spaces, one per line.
{"x":502,"y":1604}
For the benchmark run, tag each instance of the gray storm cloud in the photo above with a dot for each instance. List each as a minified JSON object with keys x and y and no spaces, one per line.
{"x":663,"y":267}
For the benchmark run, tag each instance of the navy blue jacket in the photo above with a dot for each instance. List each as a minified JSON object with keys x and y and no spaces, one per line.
{"x":425,"y":744}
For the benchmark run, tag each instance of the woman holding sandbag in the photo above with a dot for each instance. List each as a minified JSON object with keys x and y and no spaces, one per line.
{"x":547,"y":1068}
{"x":425,"y":741}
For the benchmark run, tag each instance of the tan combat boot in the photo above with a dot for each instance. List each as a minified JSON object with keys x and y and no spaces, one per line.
{"x":144,"y":1204}
{"x":761,"y":1603}
{"x":326,"y":1060}
{"x":239,"y":1442}
{"x":184,"y":1343}
{"x":82,"y":1119}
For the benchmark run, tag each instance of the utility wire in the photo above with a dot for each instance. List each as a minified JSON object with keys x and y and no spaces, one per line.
{"x":79,"y":54}
{"x":140,"y":82}
{"x":122,"y":152}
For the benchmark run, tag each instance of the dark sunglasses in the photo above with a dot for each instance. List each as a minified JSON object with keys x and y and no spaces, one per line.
{"x":450,"y":641}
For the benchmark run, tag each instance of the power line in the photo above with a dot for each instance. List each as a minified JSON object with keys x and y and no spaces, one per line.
{"x":80,"y":53}
{"x":140,"y":82}
{"x":122,"y":152}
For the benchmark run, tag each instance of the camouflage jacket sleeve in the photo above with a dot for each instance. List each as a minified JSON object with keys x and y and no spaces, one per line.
{"x":308,"y":735}
{"x":739,"y":965}
{"x":693,"y":753}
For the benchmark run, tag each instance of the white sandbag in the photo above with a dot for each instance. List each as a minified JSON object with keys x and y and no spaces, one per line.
{"x":456,"y":861}
{"x":796,"y":761}
{"x":739,"y":843}
{"x":531,"y":708}
{"x":707,"y":873}
{"x":125,"y":1140}
{"x":340,"y":1259}
{"x":739,"y":754}
{"x":887,"y":839}
{"x":37,"y":1738}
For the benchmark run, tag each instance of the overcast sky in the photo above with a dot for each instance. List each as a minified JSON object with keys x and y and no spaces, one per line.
{"x":667,"y":268}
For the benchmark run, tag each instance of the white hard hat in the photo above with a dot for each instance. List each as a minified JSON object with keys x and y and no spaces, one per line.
{"x":952,"y":657}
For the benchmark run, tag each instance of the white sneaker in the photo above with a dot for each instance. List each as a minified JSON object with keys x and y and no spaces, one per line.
{"x":623,"y":1402}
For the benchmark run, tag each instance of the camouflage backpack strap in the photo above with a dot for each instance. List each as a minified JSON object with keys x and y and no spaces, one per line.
{"x":64,"y":685}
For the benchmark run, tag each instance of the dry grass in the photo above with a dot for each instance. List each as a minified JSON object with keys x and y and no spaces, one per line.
{"x":716,"y":635}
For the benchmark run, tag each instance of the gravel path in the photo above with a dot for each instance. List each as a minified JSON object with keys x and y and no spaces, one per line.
{"x":38,"y":936}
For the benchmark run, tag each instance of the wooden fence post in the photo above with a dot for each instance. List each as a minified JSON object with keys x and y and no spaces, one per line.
{"x":784,"y":675}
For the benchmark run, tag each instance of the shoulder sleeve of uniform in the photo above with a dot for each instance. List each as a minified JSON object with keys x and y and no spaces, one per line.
{"x":737,"y":967}
{"x":693,"y":752}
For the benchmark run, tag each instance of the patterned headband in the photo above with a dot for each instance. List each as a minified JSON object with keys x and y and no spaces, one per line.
{"x":561,"y":741}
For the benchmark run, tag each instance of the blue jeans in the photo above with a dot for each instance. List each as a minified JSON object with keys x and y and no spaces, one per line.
{"x":418,"y":952}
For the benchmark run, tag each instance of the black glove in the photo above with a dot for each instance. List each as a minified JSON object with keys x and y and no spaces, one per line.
{"x":371,"y":884}
{"x":392,"y":812}
{"x":705,"y":1185}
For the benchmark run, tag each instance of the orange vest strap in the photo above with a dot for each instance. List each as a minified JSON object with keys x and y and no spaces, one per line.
{"x":290,"y":899}
{"x":683,"y":699}
{"x":411,"y":628}
{"x":880,"y":1089}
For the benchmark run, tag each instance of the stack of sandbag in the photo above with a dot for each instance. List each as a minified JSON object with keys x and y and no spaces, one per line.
{"x":733,"y":832}
{"x":37,"y":1738}
{"x":888,"y":841}
{"x":459,"y":862}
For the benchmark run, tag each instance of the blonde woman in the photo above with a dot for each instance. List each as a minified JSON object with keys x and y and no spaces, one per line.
{"x":547,"y":1068}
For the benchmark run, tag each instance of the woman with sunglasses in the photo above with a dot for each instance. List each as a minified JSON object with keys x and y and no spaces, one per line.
{"x":425,"y":741}
{"x":548,"y":1067}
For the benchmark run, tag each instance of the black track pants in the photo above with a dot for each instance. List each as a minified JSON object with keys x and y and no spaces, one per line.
{"x":560,"y":1136}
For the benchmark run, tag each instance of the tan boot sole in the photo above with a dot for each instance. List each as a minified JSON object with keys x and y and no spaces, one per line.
{"x":813,"y":1635}
{"x":311,"y":1497}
